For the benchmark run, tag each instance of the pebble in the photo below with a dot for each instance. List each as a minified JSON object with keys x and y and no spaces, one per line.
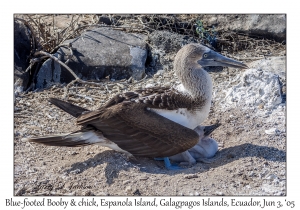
{"x":128,"y":189}
{"x":159,"y":73}
{"x":219,"y":193}
{"x":167,"y":84}
{"x":190,"y":176}
{"x":149,"y":85}
{"x":24,"y":139}
{"x":271,"y":177}
{"x":272,"y":131}
{"x":126,"y":181}
{"x":76,"y":171}
{"x":144,"y":178}
{"x":102,"y":194}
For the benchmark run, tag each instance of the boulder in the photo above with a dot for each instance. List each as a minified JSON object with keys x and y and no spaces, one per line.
{"x":275,"y":65}
{"x":257,"y":89}
{"x":22,"y":47}
{"x":262,"y":25}
{"x":98,"y":53}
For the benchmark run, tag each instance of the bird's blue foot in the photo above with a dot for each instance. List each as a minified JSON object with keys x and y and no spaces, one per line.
{"x":168,"y":164}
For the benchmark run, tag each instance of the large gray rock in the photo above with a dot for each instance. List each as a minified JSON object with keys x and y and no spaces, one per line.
{"x":267,"y":26}
{"x":22,"y":47}
{"x":256,"y":88}
{"x":275,"y":65}
{"x":98,"y":53}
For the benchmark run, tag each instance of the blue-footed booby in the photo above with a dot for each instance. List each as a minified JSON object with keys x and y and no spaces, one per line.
{"x":156,"y":122}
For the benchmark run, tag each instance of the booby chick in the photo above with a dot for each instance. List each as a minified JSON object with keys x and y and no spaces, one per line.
{"x":151,"y":122}
{"x":205,"y":148}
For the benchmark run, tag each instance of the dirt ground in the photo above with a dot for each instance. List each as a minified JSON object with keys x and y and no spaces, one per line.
{"x":250,"y":162}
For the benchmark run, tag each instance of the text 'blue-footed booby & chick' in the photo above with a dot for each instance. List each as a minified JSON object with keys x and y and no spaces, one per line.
{"x":155,"y":122}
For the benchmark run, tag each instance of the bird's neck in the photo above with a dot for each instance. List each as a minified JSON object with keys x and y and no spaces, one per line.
{"x":195,"y":80}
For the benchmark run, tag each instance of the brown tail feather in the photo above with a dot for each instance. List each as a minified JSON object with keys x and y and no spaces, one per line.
{"x":72,"y":109}
{"x":75,"y":139}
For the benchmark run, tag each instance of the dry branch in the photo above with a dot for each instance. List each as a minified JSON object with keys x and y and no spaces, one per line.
{"x":77,"y":79}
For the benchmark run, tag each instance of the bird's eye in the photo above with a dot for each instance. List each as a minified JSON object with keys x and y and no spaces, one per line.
{"x":205,"y":55}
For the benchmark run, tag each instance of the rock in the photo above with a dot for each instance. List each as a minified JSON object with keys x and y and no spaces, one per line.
{"x":263,"y":25}
{"x":219,"y":193}
{"x":271,"y":177}
{"x":73,"y":153}
{"x":149,"y":85}
{"x":22,"y":48}
{"x":50,"y":73}
{"x":275,"y":65}
{"x":98,"y":53}
{"x":144,"y":178}
{"x":76,"y":171}
{"x":191,"y":176}
{"x":279,"y":193}
{"x":104,"y":19}
{"x":137,"y":192}
{"x":256,"y":88}
{"x":159,"y":73}
{"x":272,"y":131}
{"x":128,"y":189}
{"x":126,"y":182}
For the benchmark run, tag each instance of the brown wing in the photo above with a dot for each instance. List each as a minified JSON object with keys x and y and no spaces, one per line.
{"x":157,"y":97}
{"x":141,"y":132}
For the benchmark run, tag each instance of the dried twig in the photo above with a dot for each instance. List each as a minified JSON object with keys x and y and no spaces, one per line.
{"x":77,"y":79}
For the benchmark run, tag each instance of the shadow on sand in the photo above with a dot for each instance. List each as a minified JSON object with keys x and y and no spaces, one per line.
{"x":117,"y":162}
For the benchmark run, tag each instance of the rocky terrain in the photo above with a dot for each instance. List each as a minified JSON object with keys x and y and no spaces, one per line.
{"x":250,"y":104}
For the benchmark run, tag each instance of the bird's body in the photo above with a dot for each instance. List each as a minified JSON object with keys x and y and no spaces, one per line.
{"x":151,"y":122}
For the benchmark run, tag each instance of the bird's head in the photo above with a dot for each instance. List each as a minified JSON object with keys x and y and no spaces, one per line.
{"x":209,"y":145}
{"x":207,"y":57}
{"x":205,"y":131}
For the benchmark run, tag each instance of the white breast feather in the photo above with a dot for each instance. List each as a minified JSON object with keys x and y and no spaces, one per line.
{"x":184,"y":117}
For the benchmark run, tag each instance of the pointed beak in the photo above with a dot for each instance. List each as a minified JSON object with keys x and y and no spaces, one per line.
{"x":216,"y":59}
{"x":210,"y":128}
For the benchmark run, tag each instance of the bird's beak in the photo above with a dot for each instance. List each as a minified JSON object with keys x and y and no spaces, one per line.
{"x":210,"y":128}
{"x":216,"y":59}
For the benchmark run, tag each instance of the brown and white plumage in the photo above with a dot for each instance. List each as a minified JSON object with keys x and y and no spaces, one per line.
{"x":127,"y":127}
{"x":151,"y":122}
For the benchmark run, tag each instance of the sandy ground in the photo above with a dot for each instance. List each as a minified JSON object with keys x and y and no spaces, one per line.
{"x":251,"y":162}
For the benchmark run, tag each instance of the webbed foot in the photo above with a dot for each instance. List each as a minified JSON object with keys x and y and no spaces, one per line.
{"x":168,"y":164}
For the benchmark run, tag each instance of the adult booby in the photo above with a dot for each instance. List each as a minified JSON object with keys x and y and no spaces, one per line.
{"x":151,"y":122}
